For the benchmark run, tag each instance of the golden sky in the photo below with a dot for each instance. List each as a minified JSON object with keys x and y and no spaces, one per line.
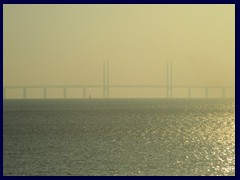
{"x":67,"y":44}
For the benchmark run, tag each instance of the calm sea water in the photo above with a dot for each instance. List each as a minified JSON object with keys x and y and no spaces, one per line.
{"x":119,"y":137}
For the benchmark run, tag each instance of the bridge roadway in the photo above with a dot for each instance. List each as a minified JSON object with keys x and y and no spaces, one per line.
{"x":169,"y":89}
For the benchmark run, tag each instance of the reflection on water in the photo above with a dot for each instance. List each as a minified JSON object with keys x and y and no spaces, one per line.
{"x":119,"y":137}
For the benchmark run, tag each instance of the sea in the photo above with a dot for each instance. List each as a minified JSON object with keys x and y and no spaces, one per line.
{"x":119,"y":137}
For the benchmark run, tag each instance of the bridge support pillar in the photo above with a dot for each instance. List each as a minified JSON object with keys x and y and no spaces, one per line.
{"x":24,"y":93}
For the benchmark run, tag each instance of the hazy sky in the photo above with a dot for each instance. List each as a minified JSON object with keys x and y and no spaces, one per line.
{"x":67,"y":44}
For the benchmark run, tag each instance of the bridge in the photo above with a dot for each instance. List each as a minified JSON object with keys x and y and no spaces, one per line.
{"x":169,"y":87}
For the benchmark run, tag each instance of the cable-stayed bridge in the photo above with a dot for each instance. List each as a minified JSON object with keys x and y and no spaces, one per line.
{"x":106,"y":86}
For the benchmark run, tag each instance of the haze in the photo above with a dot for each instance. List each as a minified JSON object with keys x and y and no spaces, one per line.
{"x":67,"y":44}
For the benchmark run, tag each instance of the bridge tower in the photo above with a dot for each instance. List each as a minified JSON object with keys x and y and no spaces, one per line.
{"x":106,"y":79}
